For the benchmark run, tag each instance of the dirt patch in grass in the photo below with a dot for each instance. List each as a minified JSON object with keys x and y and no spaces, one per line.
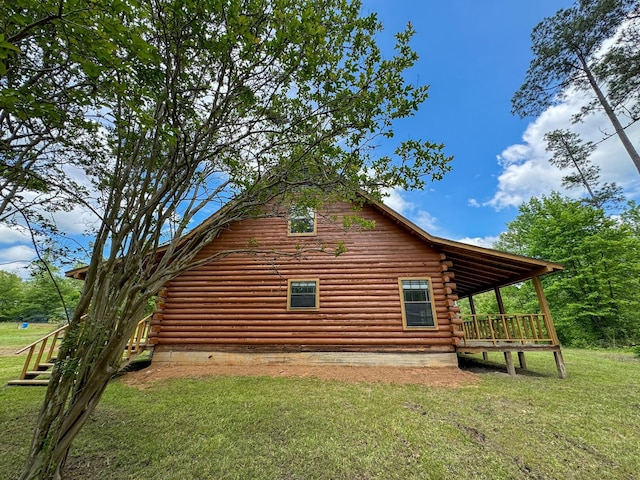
{"x":439,"y":377}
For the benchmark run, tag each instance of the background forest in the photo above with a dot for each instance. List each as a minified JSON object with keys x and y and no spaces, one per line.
{"x":39,"y":298}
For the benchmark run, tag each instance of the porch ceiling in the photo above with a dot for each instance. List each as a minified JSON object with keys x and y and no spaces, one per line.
{"x":478,"y":270}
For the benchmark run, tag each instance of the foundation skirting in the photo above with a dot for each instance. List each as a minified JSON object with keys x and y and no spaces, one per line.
{"x":176,"y":358}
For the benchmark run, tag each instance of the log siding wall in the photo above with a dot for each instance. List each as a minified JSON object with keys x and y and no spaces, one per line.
{"x":239,"y":302}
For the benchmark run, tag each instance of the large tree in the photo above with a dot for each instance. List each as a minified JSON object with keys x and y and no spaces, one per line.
{"x":241,"y":103}
{"x":567,"y":56}
{"x":594,"y":299}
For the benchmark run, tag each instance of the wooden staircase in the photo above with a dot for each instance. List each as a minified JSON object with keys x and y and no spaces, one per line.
{"x":42,"y":353}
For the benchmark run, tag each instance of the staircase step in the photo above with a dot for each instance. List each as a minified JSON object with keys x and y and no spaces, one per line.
{"x":34,"y":383}
{"x":35,"y":373}
{"x":45,"y":366}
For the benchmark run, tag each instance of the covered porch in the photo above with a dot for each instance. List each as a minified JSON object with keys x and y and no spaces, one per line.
{"x":475,"y":270}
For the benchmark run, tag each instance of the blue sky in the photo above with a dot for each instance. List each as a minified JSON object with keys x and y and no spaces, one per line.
{"x":474,"y":55}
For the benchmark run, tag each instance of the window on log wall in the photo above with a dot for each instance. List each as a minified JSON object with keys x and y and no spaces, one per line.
{"x":302,"y":221}
{"x":416,"y":298}
{"x":302,"y":294}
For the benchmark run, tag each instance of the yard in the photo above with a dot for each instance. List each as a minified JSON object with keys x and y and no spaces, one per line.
{"x":166,"y":425}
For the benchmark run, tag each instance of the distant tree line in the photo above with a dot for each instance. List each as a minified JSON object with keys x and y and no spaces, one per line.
{"x":39,"y":298}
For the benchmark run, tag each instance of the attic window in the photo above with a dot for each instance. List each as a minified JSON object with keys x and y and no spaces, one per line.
{"x":416,"y":298}
{"x":302,"y":294}
{"x":302,"y":221}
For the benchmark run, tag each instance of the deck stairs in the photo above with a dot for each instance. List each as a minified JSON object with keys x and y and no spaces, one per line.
{"x":41,"y":354}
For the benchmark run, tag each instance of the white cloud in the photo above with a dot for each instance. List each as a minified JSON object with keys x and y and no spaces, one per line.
{"x":76,"y":221}
{"x":486,"y":242}
{"x":72,"y":222}
{"x":472,"y":202}
{"x":527,"y":172}
{"x":19,"y":268}
{"x":17,"y":257}
{"x":13,"y":234}
{"x":395,"y":200}
{"x":17,"y":253}
{"x":420,"y":217}
{"x":426,"y":221}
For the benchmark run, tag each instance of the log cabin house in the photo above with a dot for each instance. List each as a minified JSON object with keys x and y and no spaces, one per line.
{"x":390,"y":297}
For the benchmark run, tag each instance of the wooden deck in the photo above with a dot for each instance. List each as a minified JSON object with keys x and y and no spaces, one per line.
{"x":508,"y":333}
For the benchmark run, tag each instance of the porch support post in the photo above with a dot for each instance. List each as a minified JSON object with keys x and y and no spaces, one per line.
{"x":508,"y":357}
{"x":501,"y":309}
{"x":522,"y":360}
{"x":562,"y":371}
{"x":511,"y":368}
{"x":544,"y":307}
{"x":499,"y":300}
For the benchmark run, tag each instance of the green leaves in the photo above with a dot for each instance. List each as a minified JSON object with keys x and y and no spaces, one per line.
{"x":593,"y":299}
{"x":6,"y":49}
{"x":564,"y":47}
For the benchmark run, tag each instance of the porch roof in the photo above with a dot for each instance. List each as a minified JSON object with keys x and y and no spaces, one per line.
{"x":477,"y":269}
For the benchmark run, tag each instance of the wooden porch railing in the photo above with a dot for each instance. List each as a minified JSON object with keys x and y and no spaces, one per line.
{"x":138,"y":340}
{"x":39,"y":364}
{"x":42,"y":361}
{"x":496,"y":329}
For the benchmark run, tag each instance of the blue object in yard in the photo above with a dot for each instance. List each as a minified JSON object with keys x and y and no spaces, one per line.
{"x":24,"y":325}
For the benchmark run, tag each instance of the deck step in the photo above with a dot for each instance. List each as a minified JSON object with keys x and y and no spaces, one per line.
{"x":35,"y":373}
{"x":34,"y":383}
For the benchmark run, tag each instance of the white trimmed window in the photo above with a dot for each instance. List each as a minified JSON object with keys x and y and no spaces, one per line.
{"x":416,"y":298}
{"x":302,"y":294}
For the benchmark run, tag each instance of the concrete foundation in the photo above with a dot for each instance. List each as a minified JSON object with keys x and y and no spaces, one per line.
{"x":356,"y":359}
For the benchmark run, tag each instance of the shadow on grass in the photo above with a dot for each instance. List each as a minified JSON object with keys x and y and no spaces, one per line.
{"x":134,"y":366}
{"x":478,"y":365}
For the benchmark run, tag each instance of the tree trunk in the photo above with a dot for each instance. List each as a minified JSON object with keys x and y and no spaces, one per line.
{"x":73,"y":394}
{"x":624,"y":138}
{"x":47,"y":462}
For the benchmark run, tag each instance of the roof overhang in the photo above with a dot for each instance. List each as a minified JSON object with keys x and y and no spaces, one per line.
{"x":477,"y":269}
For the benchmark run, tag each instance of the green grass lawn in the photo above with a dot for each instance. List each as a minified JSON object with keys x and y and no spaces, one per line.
{"x":12,"y":337}
{"x":531,"y":426}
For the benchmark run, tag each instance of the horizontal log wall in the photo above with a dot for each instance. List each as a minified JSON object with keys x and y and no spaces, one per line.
{"x":240,"y":301}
